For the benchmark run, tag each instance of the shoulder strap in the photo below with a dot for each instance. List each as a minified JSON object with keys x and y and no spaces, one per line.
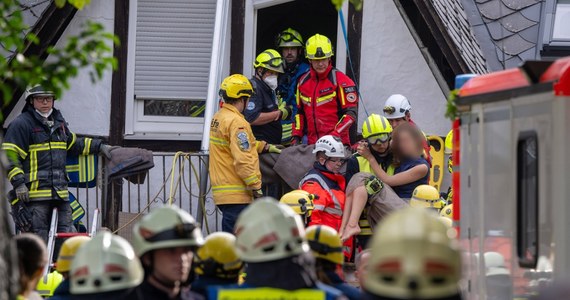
{"x":337,"y":210}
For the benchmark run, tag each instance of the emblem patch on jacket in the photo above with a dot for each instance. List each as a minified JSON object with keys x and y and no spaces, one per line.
{"x":243,"y":141}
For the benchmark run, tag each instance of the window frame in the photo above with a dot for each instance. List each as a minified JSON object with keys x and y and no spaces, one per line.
{"x":523,"y":201}
{"x":548,"y":39}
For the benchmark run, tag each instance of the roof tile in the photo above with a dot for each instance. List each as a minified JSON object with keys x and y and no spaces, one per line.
{"x":494,"y":10}
{"x":516,"y":22}
{"x":519,"y":4}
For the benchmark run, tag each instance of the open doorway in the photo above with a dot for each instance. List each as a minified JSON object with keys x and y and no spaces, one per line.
{"x":264,"y":19}
{"x":307,"y":17}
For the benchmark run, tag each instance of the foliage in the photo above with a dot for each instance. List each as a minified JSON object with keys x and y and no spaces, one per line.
{"x":356,"y":3}
{"x":451,"y":112}
{"x":90,"y":48}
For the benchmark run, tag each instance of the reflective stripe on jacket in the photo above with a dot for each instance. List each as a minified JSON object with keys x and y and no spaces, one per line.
{"x":331,"y":198}
{"x":37,"y":153}
{"x":234,"y":161}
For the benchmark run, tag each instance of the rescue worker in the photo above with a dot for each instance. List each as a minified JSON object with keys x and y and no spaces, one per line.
{"x":63,"y":265}
{"x":290,"y":43}
{"x":105,"y":268}
{"x":234,"y":162}
{"x":301,"y":202}
{"x":413,"y":256}
{"x":448,"y":151}
{"x":32,"y":258}
{"x":165,"y":241}
{"x":377,"y":133}
{"x":326,"y":246}
{"x":361,"y":264}
{"x":327,"y":99}
{"x":427,"y":196}
{"x":326,"y":182}
{"x":397,"y":110}
{"x":270,"y":238}
{"x":216,"y":263}
{"x":37,"y":143}
{"x":263,"y":111}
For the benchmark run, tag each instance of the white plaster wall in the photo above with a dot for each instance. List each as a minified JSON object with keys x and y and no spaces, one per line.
{"x":391,"y":63}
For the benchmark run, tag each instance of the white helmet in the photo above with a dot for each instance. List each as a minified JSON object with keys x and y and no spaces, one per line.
{"x":495,"y":264}
{"x":396,"y":107}
{"x":331,"y":145}
{"x":268,"y":230}
{"x":414,"y":256}
{"x":106,"y":263}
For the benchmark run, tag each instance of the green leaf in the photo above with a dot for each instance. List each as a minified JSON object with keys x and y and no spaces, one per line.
{"x":79,"y":4}
{"x":60,"y":3}
{"x":357,"y":4}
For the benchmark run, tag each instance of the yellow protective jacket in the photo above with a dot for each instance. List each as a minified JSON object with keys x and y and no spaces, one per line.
{"x":234,"y":161}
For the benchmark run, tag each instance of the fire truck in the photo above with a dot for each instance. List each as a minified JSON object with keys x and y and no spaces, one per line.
{"x":511,"y":179}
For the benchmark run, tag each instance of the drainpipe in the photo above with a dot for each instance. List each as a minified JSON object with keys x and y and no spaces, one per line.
{"x":216,"y":68}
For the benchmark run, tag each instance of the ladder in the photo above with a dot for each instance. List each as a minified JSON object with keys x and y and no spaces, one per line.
{"x":53,"y":235}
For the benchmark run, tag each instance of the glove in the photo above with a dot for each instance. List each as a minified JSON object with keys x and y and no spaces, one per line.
{"x":269,"y":148}
{"x":106,"y":150}
{"x":22,"y":216}
{"x":257,"y":194}
{"x":22,"y":193}
{"x":296,"y":141}
{"x":373,"y":185}
{"x":286,"y":112}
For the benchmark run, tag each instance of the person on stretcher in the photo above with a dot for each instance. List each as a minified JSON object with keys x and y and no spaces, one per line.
{"x":385,"y":192}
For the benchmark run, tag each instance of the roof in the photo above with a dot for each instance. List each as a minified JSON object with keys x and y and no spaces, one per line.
{"x":453,"y":16}
{"x":32,"y":10}
{"x":506,"y":30}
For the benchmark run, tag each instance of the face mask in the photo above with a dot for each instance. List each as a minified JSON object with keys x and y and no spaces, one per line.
{"x":271,"y":81}
{"x":45,"y":115}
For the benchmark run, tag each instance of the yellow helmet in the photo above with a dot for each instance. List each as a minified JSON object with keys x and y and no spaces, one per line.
{"x":449,"y":142}
{"x":413,"y":256}
{"x":269,"y":59}
{"x":325,"y":243}
{"x":447,"y":211}
{"x":289,"y":38}
{"x":300,"y":201}
{"x":376,"y":125}
{"x":218,"y":257}
{"x":318,"y":47}
{"x":426,"y":196}
{"x":47,"y":284}
{"x":67,"y":252}
{"x":235,"y":86}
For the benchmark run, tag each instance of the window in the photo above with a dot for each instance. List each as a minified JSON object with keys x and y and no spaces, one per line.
{"x":527,"y":199}
{"x":561,"y":28}
{"x":170,"y":48}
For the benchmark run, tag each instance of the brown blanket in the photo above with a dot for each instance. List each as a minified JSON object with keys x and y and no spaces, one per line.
{"x":293,"y":163}
{"x":381,"y":204}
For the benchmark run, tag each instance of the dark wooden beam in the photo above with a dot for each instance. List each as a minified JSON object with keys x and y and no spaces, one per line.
{"x":237,"y":36}
{"x":354,"y":32}
{"x":49,"y":28}
{"x":113,"y":199}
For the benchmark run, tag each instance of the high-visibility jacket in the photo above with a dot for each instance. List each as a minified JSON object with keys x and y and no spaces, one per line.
{"x":234,"y":161}
{"x":37,"y":152}
{"x":327,"y":104}
{"x":286,"y":92}
{"x":244,"y":292}
{"x":329,"y":188}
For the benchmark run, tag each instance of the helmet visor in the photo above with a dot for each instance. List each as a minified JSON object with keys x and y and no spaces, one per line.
{"x":275,"y":62}
{"x":378,"y":139}
{"x":180,"y":232}
{"x":287,"y":37}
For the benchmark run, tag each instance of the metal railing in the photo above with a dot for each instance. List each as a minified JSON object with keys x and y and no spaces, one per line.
{"x":174,"y":179}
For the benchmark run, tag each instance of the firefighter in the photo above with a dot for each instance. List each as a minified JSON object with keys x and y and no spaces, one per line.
{"x":270,"y":238}
{"x":413,"y":256}
{"x":377,"y":133}
{"x":234,"y":162}
{"x":397,"y":110}
{"x":37,"y":143}
{"x":263,"y":111}
{"x":428,"y":197}
{"x":165,"y":240}
{"x":216,"y":263}
{"x":448,"y":151}
{"x":290,"y":43}
{"x":326,"y":246}
{"x":447,"y":212}
{"x":327,"y":99}
{"x":32,"y":259}
{"x":105,"y":268}
{"x":326,"y":182}
{"x":63,"y":265}
{"x":301,"y":202}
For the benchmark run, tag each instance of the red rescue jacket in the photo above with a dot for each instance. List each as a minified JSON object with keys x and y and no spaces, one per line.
{"x":327,"y":104}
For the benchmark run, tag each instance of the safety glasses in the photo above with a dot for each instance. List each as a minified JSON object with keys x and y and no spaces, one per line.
{"x":275,"y":62}
{"x":287,"y":37}
{"x":378,"y":139}
{"x":391,"y":109}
